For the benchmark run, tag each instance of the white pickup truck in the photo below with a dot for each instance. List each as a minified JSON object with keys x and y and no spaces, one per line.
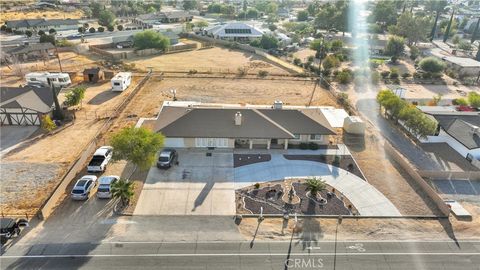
{"x":100,"y":159}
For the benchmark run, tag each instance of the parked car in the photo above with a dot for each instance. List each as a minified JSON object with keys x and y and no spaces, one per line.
{"x":104,"y":186}
{"x":83,"y":187}
{"x":167,"y":158}
{"x":10,"y":227}
{"x":100,"y":159}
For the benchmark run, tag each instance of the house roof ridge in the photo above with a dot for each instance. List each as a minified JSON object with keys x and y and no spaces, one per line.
{"x":272,"y":121}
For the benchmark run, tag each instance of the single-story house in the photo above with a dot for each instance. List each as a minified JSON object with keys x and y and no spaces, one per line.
{"x":35,"y":25}
{"x":463,"y":66}
{"x":93,"y":75}
{"x":151,"y":19}
{"x":24,"y":105}
{"x":123,"y":41}
{"x":28,"y":52}
{"x":197,"y":125}
{"x":460,"y":130}
{"x":234,"y":31}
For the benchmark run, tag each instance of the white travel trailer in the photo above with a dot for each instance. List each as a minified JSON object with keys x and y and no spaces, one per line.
{"x":121,"y":81}
{"x":43,"y":78}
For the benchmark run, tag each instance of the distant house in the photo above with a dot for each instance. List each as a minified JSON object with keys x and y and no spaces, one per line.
{"x":93,"y":75}
{"x":197,"y":125}
{"x":24,"y":106}
{"x":463,"y":66}
{"x":28,"y":52}
{"x":234,"y":31}
{"x":460,"y":130}
{"x":151,"y":19}
{"x":35,"y":25}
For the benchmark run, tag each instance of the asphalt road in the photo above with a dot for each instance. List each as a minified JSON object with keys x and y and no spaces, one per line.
{"x":245,"y":255}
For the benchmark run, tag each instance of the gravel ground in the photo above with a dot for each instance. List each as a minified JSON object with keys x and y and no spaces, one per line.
{"x":25,"y":185}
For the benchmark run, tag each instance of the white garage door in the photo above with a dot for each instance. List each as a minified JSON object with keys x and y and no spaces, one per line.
{"x":174,"y":142}
{"x":211,"y":142}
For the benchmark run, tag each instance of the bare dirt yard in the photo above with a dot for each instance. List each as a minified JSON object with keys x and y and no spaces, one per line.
{"x":214,"y":60}
{"x":47,"y":158}
{"x":39,"y":14}
{"x":366,"y":229}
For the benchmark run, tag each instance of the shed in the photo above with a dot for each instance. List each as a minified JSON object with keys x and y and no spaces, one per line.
{"x":93,"y":75}
{"x":354,"y":125}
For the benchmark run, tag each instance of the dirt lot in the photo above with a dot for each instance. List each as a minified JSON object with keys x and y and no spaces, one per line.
{"x":208,"y":60}
{"x":368,"y":229}
{"x":53,"y":153}
{"x":39,"y":14}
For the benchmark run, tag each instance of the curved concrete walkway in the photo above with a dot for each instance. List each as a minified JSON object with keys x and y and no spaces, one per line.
{"x":366,"y":198}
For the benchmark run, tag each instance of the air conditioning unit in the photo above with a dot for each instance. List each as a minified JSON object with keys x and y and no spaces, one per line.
{"x":277,"y":105}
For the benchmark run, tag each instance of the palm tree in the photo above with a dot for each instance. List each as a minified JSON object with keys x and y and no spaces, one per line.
{"x":315,"y":185}
{"x":123,"y":189}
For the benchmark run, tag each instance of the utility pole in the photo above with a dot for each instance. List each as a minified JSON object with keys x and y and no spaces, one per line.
{"x":447,"y":32}
{"x":58,"y":114}
{"x":58,"y":58}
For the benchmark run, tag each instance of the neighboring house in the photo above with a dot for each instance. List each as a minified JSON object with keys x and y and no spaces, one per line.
{"x":35,"y":25}
{"x":460,"y":130}
{"x":151,"y":19}
{"x":24,"y":105}
{"x":93,"y":75}
{"x":463,"y":66}
{"x":234,"y":31}
{"x":28,"y":52}
{"x":197,"y":125}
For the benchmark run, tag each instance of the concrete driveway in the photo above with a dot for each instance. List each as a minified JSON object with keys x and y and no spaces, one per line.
{"x":199,"y":185}
{"x":366,"y":198}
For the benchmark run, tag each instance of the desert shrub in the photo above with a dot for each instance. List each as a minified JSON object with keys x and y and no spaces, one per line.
{"x":47,"y":123}
{"x":394,"y":73}
{"x":242,"y":71}
{"x":406,"y":75}
{"x":262,"y":73}
{"x":297,"y":61}
{"x":192,"y":71}
{"x":385,"y":74}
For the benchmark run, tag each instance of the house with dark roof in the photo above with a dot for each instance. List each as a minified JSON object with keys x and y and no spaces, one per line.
{"x":460,"y":130}
{"x":199,"y":125}
{"x":24,"y":105}
{"x":28,"y":52}
{"x":151,"y":19}
{"x":35,"y":25}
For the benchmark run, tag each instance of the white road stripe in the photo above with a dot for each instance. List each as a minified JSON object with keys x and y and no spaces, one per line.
{"x":240,"y":254}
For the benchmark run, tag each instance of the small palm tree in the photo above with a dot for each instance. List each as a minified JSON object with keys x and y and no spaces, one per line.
{"x":123,"y":190}
{"x":315,"y":185}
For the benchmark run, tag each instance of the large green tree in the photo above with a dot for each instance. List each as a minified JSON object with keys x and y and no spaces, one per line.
{"x":302,"y":15}
{"x":268,"y":42}
{"x":190,"y":4}
{"x":137,"y":145}
{"x":384,"y":13}
{"x":106,"y":18}
{"x":395,"y":47}
{"x":75,"y":96}
{"x":150,"y":39}
{"x":413,"y":28}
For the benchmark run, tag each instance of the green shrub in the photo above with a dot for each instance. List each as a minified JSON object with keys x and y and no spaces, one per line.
{"x":303,"y":146}
{"x":313,"y":146}
{"x":394,"y":73}
{"x":297,"y":61}
{"x":257,"y":185}
{"x":385,"y":74}
{"x":406,"y":75}
{"x":460,"y":101}
{"x":47,"y":123}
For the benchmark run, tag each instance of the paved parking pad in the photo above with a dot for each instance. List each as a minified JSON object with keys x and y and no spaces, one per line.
{"x":199,"y":185}
{"x":459,"y":187}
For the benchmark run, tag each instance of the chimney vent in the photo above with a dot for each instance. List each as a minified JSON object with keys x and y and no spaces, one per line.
{"x":277,"y":104}
{"x":238,"y":118}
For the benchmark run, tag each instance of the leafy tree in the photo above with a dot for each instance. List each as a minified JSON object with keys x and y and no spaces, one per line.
{"x":41,"y":32}
{"x":190,"y":4}
{"x":3,"y":28}
{"x":28,"y":33}
{"x":268,"y":42}
{"x":474,"y":99}
{"x":96,"y":8}
{"x":101,"y":29}
{"x":315,"y":185}
{"x":413,"y":28}
{"x":92,"y":30}
{"x":75,"y":96}
{"x":110,"y":28}
{"x":252,"y":13}
{"x":123,"y":190}
{"x":119,"y":27}
{"x":344,"y":77}
{"x":214,"y":8}
{"x":52,"y":31}
{"x":80,"y":30}
{"x":87,"y":12}
{"x":47,"y":38}
{"x":432,"y":65}
{"x":395,"y":47}
{"x":137,"y":145}
{"x":302,"y":15}
{"x":464,"y":45}
{"x":330,"y":62}
{"x":202,"y":24}
{"x":333,"y":16}
{"x":384,"y":13}
{"x":106,"y":18}
{"x":272,"y":27}
{"x":151,"y":9}
{"x":449,"y":26}
{"x":150,"y":39}
{"x":456,"y":39}
{"x":47,"y":123}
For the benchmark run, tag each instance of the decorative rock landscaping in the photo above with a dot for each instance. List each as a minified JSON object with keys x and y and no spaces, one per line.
{"x":291,"y":196}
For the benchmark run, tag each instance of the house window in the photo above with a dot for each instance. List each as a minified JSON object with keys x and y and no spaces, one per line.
{"x":297,"y":137}
{"x":316,"y":137}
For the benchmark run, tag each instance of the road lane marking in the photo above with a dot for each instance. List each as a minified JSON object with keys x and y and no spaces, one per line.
{"x":237,"y":254}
